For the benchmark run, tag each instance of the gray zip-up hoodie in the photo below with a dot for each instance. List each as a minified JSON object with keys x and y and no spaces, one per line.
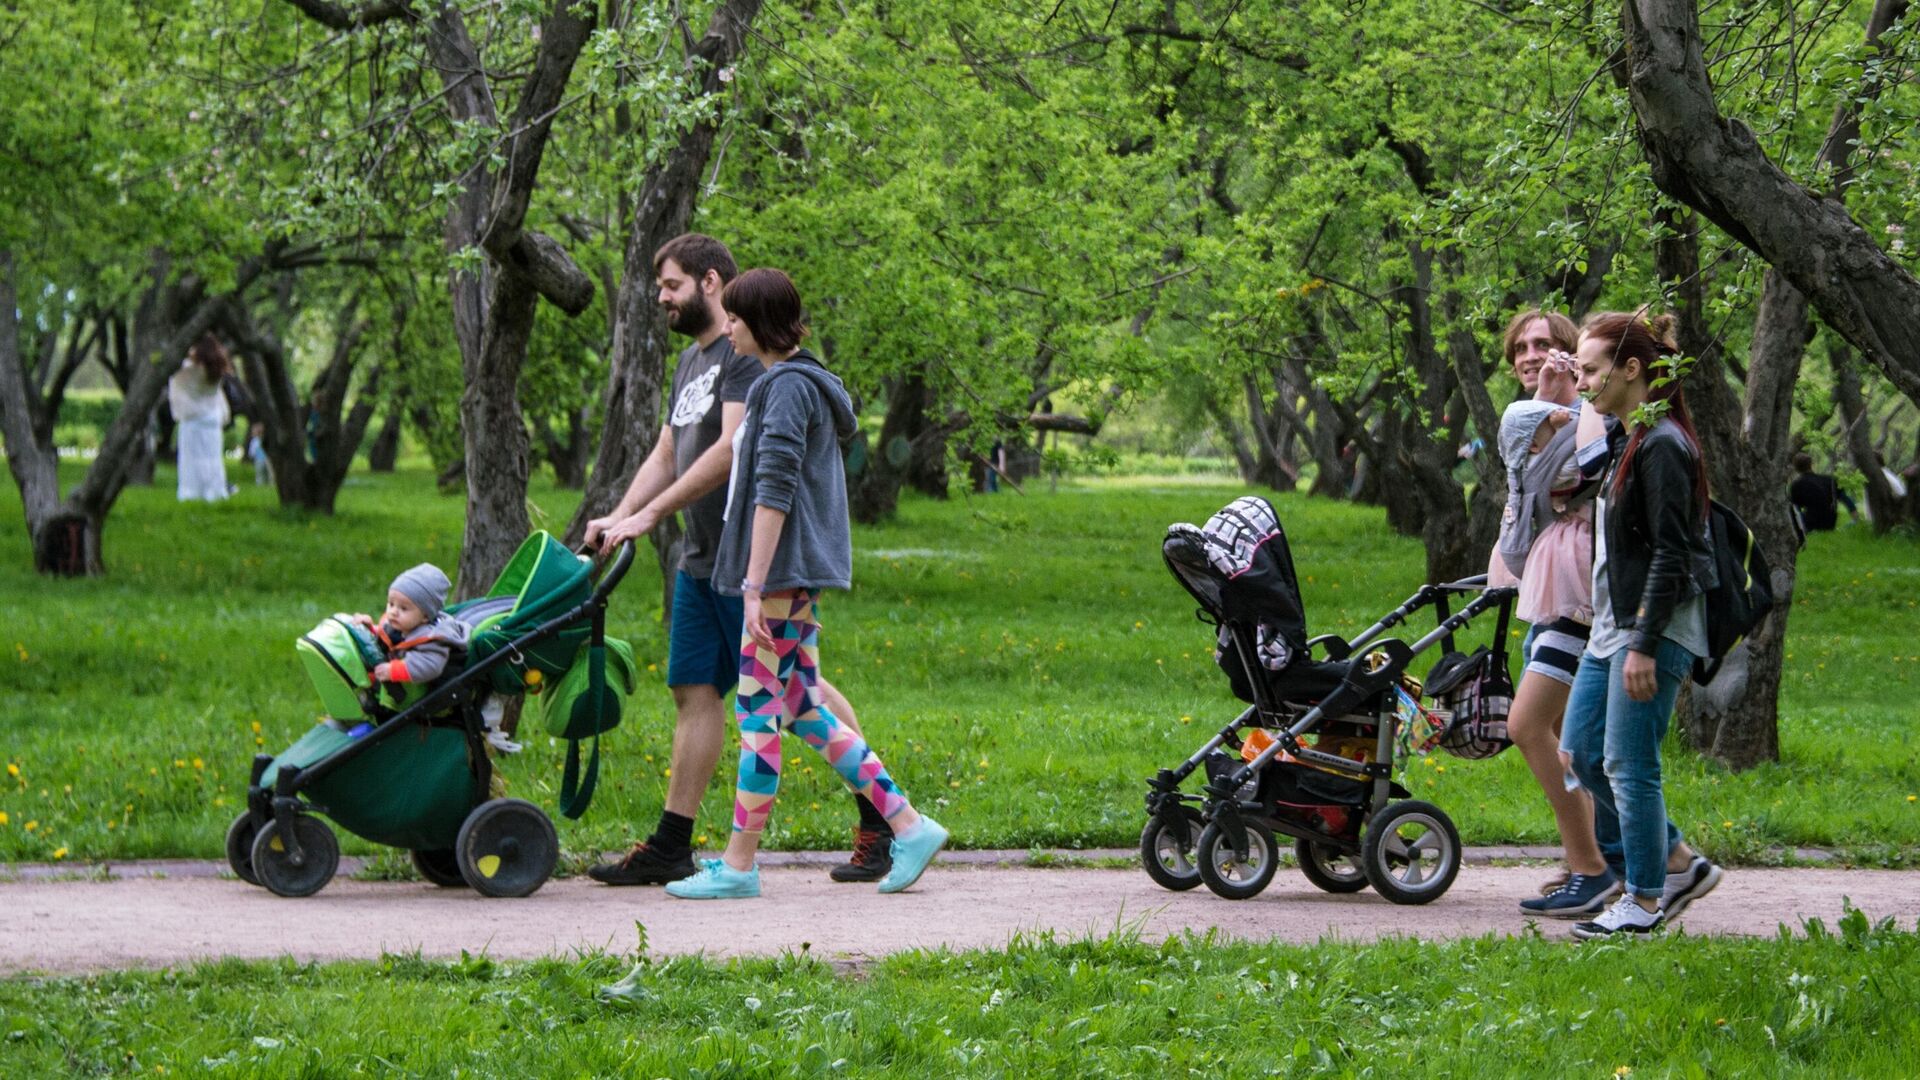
{"x":787,"y":457}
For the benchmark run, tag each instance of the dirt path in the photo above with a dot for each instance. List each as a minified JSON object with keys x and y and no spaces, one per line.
{"x":78,"y":926}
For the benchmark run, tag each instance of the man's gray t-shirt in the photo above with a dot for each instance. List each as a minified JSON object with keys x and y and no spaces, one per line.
{"x":705,"y":379}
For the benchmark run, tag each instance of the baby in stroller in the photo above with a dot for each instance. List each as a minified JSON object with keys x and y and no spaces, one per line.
{"x":418,"y":635}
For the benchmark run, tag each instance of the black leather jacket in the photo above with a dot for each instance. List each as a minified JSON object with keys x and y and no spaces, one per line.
{"x":1657,"y":549}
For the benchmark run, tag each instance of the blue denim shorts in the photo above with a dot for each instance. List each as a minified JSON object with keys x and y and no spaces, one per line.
{"x":703,"y":648}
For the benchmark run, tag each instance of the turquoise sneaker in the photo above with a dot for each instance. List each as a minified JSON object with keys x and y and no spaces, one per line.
{"x":912,"y":853}
{"x":717,"y":881}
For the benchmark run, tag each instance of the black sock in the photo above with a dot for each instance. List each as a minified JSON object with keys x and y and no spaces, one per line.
{"x":870,"y":818}
{"x":673,"y":835}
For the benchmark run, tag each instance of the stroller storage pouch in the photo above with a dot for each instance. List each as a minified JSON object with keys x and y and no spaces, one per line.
{"x":1478,"y":691}
{"x":585,"y":701}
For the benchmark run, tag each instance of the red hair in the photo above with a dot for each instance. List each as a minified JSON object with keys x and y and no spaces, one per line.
{"x":1649,"y":340}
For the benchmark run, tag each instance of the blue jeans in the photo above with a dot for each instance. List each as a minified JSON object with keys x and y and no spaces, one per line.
{"x":1615,"y":744}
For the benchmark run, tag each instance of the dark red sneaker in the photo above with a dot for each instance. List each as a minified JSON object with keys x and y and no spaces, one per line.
{"x":871,"y":859}
{"x":644,"y":866}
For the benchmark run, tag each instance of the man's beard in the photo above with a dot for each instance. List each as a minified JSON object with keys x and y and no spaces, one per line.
{"x":692,"y":320}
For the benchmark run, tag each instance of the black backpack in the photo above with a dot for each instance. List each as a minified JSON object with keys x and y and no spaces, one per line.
{"x":1744,"y":594}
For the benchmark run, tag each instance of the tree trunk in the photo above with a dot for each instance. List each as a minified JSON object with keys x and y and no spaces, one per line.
{"x":1736,"y":719}
{"x":638,"y":357}
{"x":874,"y":494}
{"x":567,"y":452}
{"x":496,"y":438}
{"x":1423,"y":498}
{"x":1715,"y":165}
{"x":302,"y":482}
{"x":385,"y":451}
{"x":1882,"y":507}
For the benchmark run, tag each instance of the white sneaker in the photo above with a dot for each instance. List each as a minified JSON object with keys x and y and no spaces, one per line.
{"x":1683,"y":888}
{"x":1626,"y":918}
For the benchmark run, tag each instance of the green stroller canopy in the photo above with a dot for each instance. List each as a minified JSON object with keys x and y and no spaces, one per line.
{"x":543,"y":580}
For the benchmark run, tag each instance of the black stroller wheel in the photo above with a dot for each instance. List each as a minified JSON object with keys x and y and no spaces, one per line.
{"x":1411,"y":852}
{"x":506,"y":847}
{"x":440,"y":868}
{"x":1227,"y":874}
{"x":240,"y":836}
{"x":1329,"y":869}
{"x":273,"y":860}
{"x":1168,"y":862}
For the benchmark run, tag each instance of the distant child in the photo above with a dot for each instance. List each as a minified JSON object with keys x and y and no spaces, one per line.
{"x":256,"y":452}
{"x":417,"y":633}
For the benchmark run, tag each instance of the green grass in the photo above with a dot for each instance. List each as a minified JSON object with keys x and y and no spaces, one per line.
{"x":1820,"y":1005}
{"x":1022,"y":664}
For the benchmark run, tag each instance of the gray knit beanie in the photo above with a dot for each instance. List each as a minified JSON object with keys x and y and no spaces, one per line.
{"x":426,"y":586}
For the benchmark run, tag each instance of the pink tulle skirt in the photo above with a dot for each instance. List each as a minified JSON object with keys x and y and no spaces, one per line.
{"x":1558,"y":580}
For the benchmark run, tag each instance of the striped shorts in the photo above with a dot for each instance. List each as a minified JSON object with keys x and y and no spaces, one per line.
{"x":1553,"y":649}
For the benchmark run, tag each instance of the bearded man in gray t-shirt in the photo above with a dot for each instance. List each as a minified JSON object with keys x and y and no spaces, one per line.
{"x":687,"y":472}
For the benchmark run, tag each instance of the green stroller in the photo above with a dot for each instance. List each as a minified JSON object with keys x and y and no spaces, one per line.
{"x":414,"y":773}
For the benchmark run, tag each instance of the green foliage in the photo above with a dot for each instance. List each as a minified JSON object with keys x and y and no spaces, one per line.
{"x":981,"y":648}
{"x":1812,"y":1004}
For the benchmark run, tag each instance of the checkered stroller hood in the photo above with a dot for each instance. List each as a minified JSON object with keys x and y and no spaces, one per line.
{"x":1240,"y":569}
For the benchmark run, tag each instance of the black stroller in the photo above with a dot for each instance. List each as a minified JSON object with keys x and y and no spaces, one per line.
{"x":1322,"y":736}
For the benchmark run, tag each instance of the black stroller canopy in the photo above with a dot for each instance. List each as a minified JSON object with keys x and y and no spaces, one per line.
{"x":1240,"y":569}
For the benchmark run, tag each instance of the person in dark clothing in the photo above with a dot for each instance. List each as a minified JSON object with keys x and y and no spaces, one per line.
{"x":1651,"y":568}
{"x":1817,"y":497}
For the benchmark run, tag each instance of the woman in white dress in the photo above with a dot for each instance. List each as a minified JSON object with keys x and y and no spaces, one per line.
{"x":200,"y":409}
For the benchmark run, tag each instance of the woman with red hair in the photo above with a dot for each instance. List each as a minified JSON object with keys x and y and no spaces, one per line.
{"x":1651,"y":565}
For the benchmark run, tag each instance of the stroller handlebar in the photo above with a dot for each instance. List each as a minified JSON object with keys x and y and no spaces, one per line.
{"x":617,"y":569}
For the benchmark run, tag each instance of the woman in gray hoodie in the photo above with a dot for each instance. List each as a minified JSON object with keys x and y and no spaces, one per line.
{"x":786,"y":538}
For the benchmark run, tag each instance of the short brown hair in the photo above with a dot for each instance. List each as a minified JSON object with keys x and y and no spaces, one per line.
{"x":1559,"y":328}
{"x":697,"y":253}
{"x":767,"y":301}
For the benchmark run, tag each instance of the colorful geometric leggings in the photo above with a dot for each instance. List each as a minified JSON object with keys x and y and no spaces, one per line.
{"x":780,"y":687}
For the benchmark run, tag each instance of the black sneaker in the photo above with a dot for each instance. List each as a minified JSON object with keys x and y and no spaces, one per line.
{"x":1581,"y":896}
{"x":644,"y":866}
{"x":1683,"y":888}
{"x":871,"y":859}
{"x":1625,"y":919}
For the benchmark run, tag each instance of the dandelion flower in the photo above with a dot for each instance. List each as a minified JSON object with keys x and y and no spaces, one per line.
{"x":59,"y":853}
{"x":3,"y":817}
{"x":31,"y":825}
{"x":12,"y":769}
